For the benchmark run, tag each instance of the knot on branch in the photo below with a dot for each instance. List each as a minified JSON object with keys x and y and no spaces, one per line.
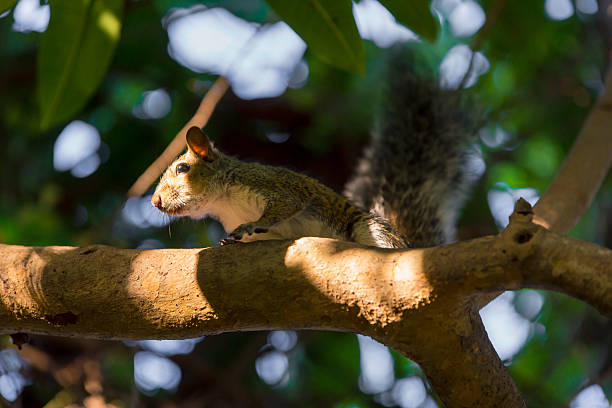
{"x":522,"y":211}
{"x":521,"y":229}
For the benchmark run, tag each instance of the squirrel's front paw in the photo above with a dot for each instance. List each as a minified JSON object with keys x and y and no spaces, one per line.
{"x":228,"y":241}
{"x":249,"y":229}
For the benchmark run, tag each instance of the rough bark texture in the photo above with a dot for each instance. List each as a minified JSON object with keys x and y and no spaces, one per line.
{"x":417,"y":301}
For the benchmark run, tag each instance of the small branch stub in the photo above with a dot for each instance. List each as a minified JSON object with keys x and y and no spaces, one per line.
{"x":522,"y":211}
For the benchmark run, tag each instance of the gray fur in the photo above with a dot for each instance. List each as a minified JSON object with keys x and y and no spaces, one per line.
{"x":413,"y":173}
{"x":259,"y":202}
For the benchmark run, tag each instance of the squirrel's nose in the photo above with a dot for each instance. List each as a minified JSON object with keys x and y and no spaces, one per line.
{"x":156,"y":200}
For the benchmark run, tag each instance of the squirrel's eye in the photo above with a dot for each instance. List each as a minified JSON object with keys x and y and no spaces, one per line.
{"x":182,"y":168}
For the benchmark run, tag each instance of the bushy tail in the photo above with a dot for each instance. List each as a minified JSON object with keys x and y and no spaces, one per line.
{"x":414,"y":172}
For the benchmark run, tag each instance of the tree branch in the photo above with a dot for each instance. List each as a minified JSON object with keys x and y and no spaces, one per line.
{"x":326,"y":284}
{"x":583,"y":171}
{"x":453,"y":349}
{"x":417,"y":301}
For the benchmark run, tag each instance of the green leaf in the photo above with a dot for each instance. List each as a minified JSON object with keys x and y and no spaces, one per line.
{"x":328,"y":27}
{"x":416,"y":15}
{"x":6,"y":4}
{"x":74,"y":55}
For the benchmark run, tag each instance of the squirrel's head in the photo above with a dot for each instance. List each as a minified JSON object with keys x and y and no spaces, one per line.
{"x":188,"y":184}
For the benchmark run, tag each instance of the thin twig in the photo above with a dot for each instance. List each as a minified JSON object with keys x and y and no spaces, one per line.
{"x":200,"y":118}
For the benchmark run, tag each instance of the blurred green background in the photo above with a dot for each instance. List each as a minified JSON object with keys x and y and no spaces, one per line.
{"x":90,"y":100}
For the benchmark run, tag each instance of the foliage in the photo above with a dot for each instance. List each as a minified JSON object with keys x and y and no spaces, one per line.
{"x":6,"y":4}
{"x":74,"y":54}
{"x":543,"y":77}
{"x":328,"y":27}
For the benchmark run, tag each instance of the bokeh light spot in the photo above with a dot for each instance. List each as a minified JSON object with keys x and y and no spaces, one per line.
{"x":587,"y":6}
{"x":30,"y":15}
{"x":75,"y":149}
{"x":559,"y":9}
{"x":155,"y":105}
{"x":139,"y":212}
{"x":272,"y":367}
{"x":86,"y":167}
{"x":494,"y":138}
{"x":170,"y":347}
{"x":153,"y":372}
{"x":466,"y":19}
{"x":282,"y":340}
{"x":377,"y":24}
{"x":11,"y":385}
{"x":455,"y":65}
{"x":409,"y":392}
{"x":11,"y":380}
{"x":76,"y":142}
{"x":277,"y":137}
{"x":591,"y":397}
{"x":258,"y":60}
{"x":507,"y":330}
{"x":444,"y":7}
{"x":376,"y":363}
{"x":528,"y":303}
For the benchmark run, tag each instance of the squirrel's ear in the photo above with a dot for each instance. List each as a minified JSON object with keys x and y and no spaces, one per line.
{"x":198,"y":143}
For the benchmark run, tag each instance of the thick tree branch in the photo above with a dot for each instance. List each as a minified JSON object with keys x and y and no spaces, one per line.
{"x":417,"y":301}
{"x":452,"y":346}
{"x":321,"y":283}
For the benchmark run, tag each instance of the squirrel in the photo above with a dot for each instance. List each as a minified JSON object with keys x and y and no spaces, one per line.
{"x":404,"y":192}
{"x":259,"y":202}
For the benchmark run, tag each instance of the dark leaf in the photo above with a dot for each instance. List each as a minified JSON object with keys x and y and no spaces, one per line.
{"x":74,"y":55}
{"x":416,"y":15}
{"x":6,"y":4}
{"x":328,"y":27}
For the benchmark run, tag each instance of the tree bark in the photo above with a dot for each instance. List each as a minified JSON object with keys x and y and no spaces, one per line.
{"x":417,"y":301}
